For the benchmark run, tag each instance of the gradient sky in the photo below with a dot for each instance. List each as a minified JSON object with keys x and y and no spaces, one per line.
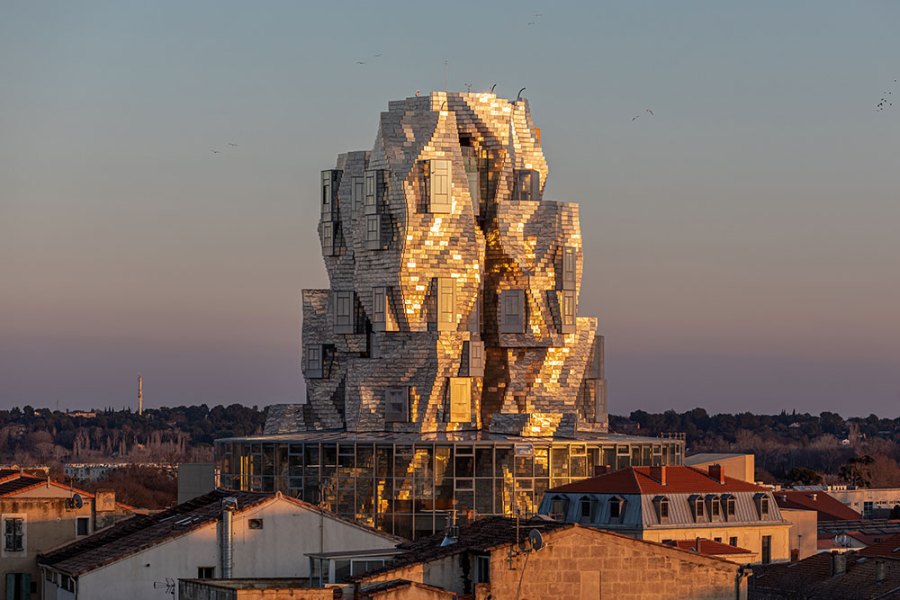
{"x":741,"y":245}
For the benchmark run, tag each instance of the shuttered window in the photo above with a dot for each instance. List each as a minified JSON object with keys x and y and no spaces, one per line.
{"x":379,"y":309}
{"x":446,"y":304}
{"x":396,"y":405}
{"x":344,"y":318}
{"x":14,"y":534}
{"x":512,"y":311}
{"x":460,"y":399}
{"x":439,"y":172}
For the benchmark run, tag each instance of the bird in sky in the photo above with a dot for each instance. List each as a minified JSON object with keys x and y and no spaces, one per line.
{"x":216,"y":151}
{"x":531,"y":22}
{"x":635,"y":118}
{"x":232,"y":144}
{"x":377,"y":55}
{"x":651,"y":112}
{"x":360,"y":62}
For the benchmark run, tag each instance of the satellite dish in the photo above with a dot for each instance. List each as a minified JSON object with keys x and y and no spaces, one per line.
{"x":536,"y":539}
{"x":842,"y":540}
{"x":77,"y":501}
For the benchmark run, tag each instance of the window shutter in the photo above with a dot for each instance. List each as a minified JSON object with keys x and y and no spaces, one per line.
{"x":512,"y":311}
{"x":446,"y":301}
{"x":567,"y":310}
{"x":439,"y":186}
{"x":460,"y":399}
{"x":476,"y":358}
{"x":379,"y":301}
{"x":396,"y":405}
{"x":568,"y":268}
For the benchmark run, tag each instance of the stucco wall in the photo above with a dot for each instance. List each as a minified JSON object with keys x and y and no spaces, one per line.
{"x":578,"y":563}
{"x":749,"y":538}
{"x":804,"y":530}
{"x":277,"y":550}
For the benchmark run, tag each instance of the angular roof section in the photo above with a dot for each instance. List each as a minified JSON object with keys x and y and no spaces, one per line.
{"x":11,"y":485}
{"x":381,"y":587}
{"x":709,"y":547}
{"x":812,"y":578}
{"x":480,"y":536}
{"x":138,"y":533}
{"x":828,"y":507}
{"x":638,"y":480}
{"x":889,"y":548}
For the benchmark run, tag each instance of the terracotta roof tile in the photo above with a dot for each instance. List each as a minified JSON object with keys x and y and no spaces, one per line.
{"x":828,"y":507}
{"x":710,"y":547}
{"x":637,"y":480}
{"x":812,"y":578}
{"x":887,"y":548}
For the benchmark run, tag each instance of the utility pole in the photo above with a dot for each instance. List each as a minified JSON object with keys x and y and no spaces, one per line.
{"x":140,"y":395}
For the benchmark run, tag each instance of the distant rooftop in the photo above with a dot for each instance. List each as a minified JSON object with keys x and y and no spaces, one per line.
{"x":439,"y":436}
{"x":640,"y":480}
{"x":827,"y":507}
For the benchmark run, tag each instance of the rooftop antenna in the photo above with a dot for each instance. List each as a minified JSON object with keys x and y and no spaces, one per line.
{"x":519,"y":95}
{"x":492,"y":88}
{"x":451,"y":536}
{"x":140,"y":395}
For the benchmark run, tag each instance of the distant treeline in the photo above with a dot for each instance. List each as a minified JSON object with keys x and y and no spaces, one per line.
{"x":789,"y":447}
{"x":29,"y":435}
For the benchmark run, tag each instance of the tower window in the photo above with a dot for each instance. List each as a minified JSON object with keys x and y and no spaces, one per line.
{"x":512,"y":311}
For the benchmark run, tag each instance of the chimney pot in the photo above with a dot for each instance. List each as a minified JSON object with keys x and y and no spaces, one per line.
{"x":601,"y":470}
{"x":717,"y":473}
{"x":659,"y":474}
{"x":880,"y":570}
{"x":838,"y":563}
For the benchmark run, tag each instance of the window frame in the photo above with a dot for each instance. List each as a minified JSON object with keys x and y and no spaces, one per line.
{"x":398,"y":395}
{"x":512,"y":321}
{"x":87,"y":526}
{"x":10,"y":548}
{"x":445,"y":304}
{"x":459,"y":399}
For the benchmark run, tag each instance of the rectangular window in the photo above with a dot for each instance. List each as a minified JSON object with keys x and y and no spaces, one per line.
{"x":475,"y":191}
{"x":331,"y":180}
{"x":82,"y":525}
{"x":567,"y":308}
{"x":374,"y":183}
{"x":373,"y":232}
{"x":396,"y":405}
{"x":528,"y":185}
{"x":732,"y":541}
{"x":328,"y":238}
{"x":766,"y":549}
{"x":512,"y":311}
{"x":729,"y":508}
{"x":476,"y":358}
{"x":615,"y":508}
{"x":568,"y":268}
{"x":344,"y":313}
{"x":482,"y":569}
{"x":595,"y":366}
{"x":379,"y":308}
{"x":586,"y":510}
{"x":438,"y":178}
{"x":14,"y":534}
{"x":358,"y":190}
{"x":314,"y":361}
{"x":446,"y":304}
{"x":206,"y":572}
{"x":460,"y":399}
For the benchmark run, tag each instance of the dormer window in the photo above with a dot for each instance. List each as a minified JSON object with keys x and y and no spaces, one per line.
{"x":585,"y":510}
{"x":616,"y":509}
{"x":698,"y":508}
{"x":729,"y":506}
{"x":715,"y":508}
{"x":558,"y":508}
{"x":662,"y":508}
{"x":762,"y":505}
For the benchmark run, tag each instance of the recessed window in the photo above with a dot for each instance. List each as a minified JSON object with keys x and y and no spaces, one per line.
{"x":396,"y":405}
{"x":512,"y":311}
{"x":358,"y":191}
{"x":206,"y":572}
{"x":586,"y":510}
{"x":14,"y":534}
{"x":82,"y":525}
{"x":328,"y":238}
{"x":615,"y":508}
{"x":558,"y":508}
{"x":476,"y":358}
{"x":344,"y":313}
{"x":528,"y":185}
{"x":567,"y":309}
{"x":729,"y":507}
{"x":732,"y":541}
{"x":446,"y":304}
{"x":437,"y":178}
{"x":764,"y":506}
{"x":373,"y":232}
{"x":662,"y":509}
{"x":374,"y":191}
{"x":482,"y":569}
{"x":568,"y":268}
{"x":314,"y":361}
{"x":460,"y":399}
{"x":331,"y":180}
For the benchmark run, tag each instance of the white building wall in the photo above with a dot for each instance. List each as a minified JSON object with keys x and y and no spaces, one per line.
{"x":277,"y":550}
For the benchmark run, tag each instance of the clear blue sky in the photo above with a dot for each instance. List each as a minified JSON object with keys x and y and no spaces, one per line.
{"x":742,"y":244}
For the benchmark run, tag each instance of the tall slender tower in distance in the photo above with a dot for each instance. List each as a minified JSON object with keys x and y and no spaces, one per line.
{"x":140,"y":395}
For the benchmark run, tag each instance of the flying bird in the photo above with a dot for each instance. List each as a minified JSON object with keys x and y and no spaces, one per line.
{"x":531,"y":22}
{"x":216,"y":151}
{"x":635,"y":118}
{"x":651,"y":112}
{"x":360,"y":62}
{"x":232,"y":144}
{"x":377,"y":55}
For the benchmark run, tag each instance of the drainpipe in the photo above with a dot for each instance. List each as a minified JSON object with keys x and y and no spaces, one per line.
{"x":226,"y":546}
{"x":741,"y":583}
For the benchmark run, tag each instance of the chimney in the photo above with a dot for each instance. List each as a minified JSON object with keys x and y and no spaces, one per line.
{"x":601,"y":470}
{"x":104,"y":507}
{"x":226,"y":548}
{"x":717,"y":473}
{"x":880,"y":570}
{"x":838,"y":563}
{"x":659,"y":474}
{"x":812,"y":497}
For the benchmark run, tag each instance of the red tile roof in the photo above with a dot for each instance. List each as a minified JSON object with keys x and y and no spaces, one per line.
{"x":637,"y":480}
{"x":827,"y":507}
{"x":710,"y":547}
{"x":889,"y":547}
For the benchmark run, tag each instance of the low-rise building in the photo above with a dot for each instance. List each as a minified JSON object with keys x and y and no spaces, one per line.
{"x":501,"y":558}
{"x":736,"y":465}
{"x":871,"y":503}
{"x":804,"y":531}
{"x":827,"y":508}
{"x":222,"y":534}
{"x":37,"y":514}
{"x":828,"y":576}
{"x":253,"y":589}
{"x":660,"y":504}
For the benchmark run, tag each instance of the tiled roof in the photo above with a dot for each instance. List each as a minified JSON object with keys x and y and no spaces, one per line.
{"x":393,"y":584}
{"x":6,"y":473}
{"x":637,"y":480}
{"x":887,"y":548}
{"x":827,"y":507}
{"x":813,"y":578}
{"x":710,"y":547}
{"x":141,"y":532}
{"x":480,"y":536}
{"x":11,"y":485}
